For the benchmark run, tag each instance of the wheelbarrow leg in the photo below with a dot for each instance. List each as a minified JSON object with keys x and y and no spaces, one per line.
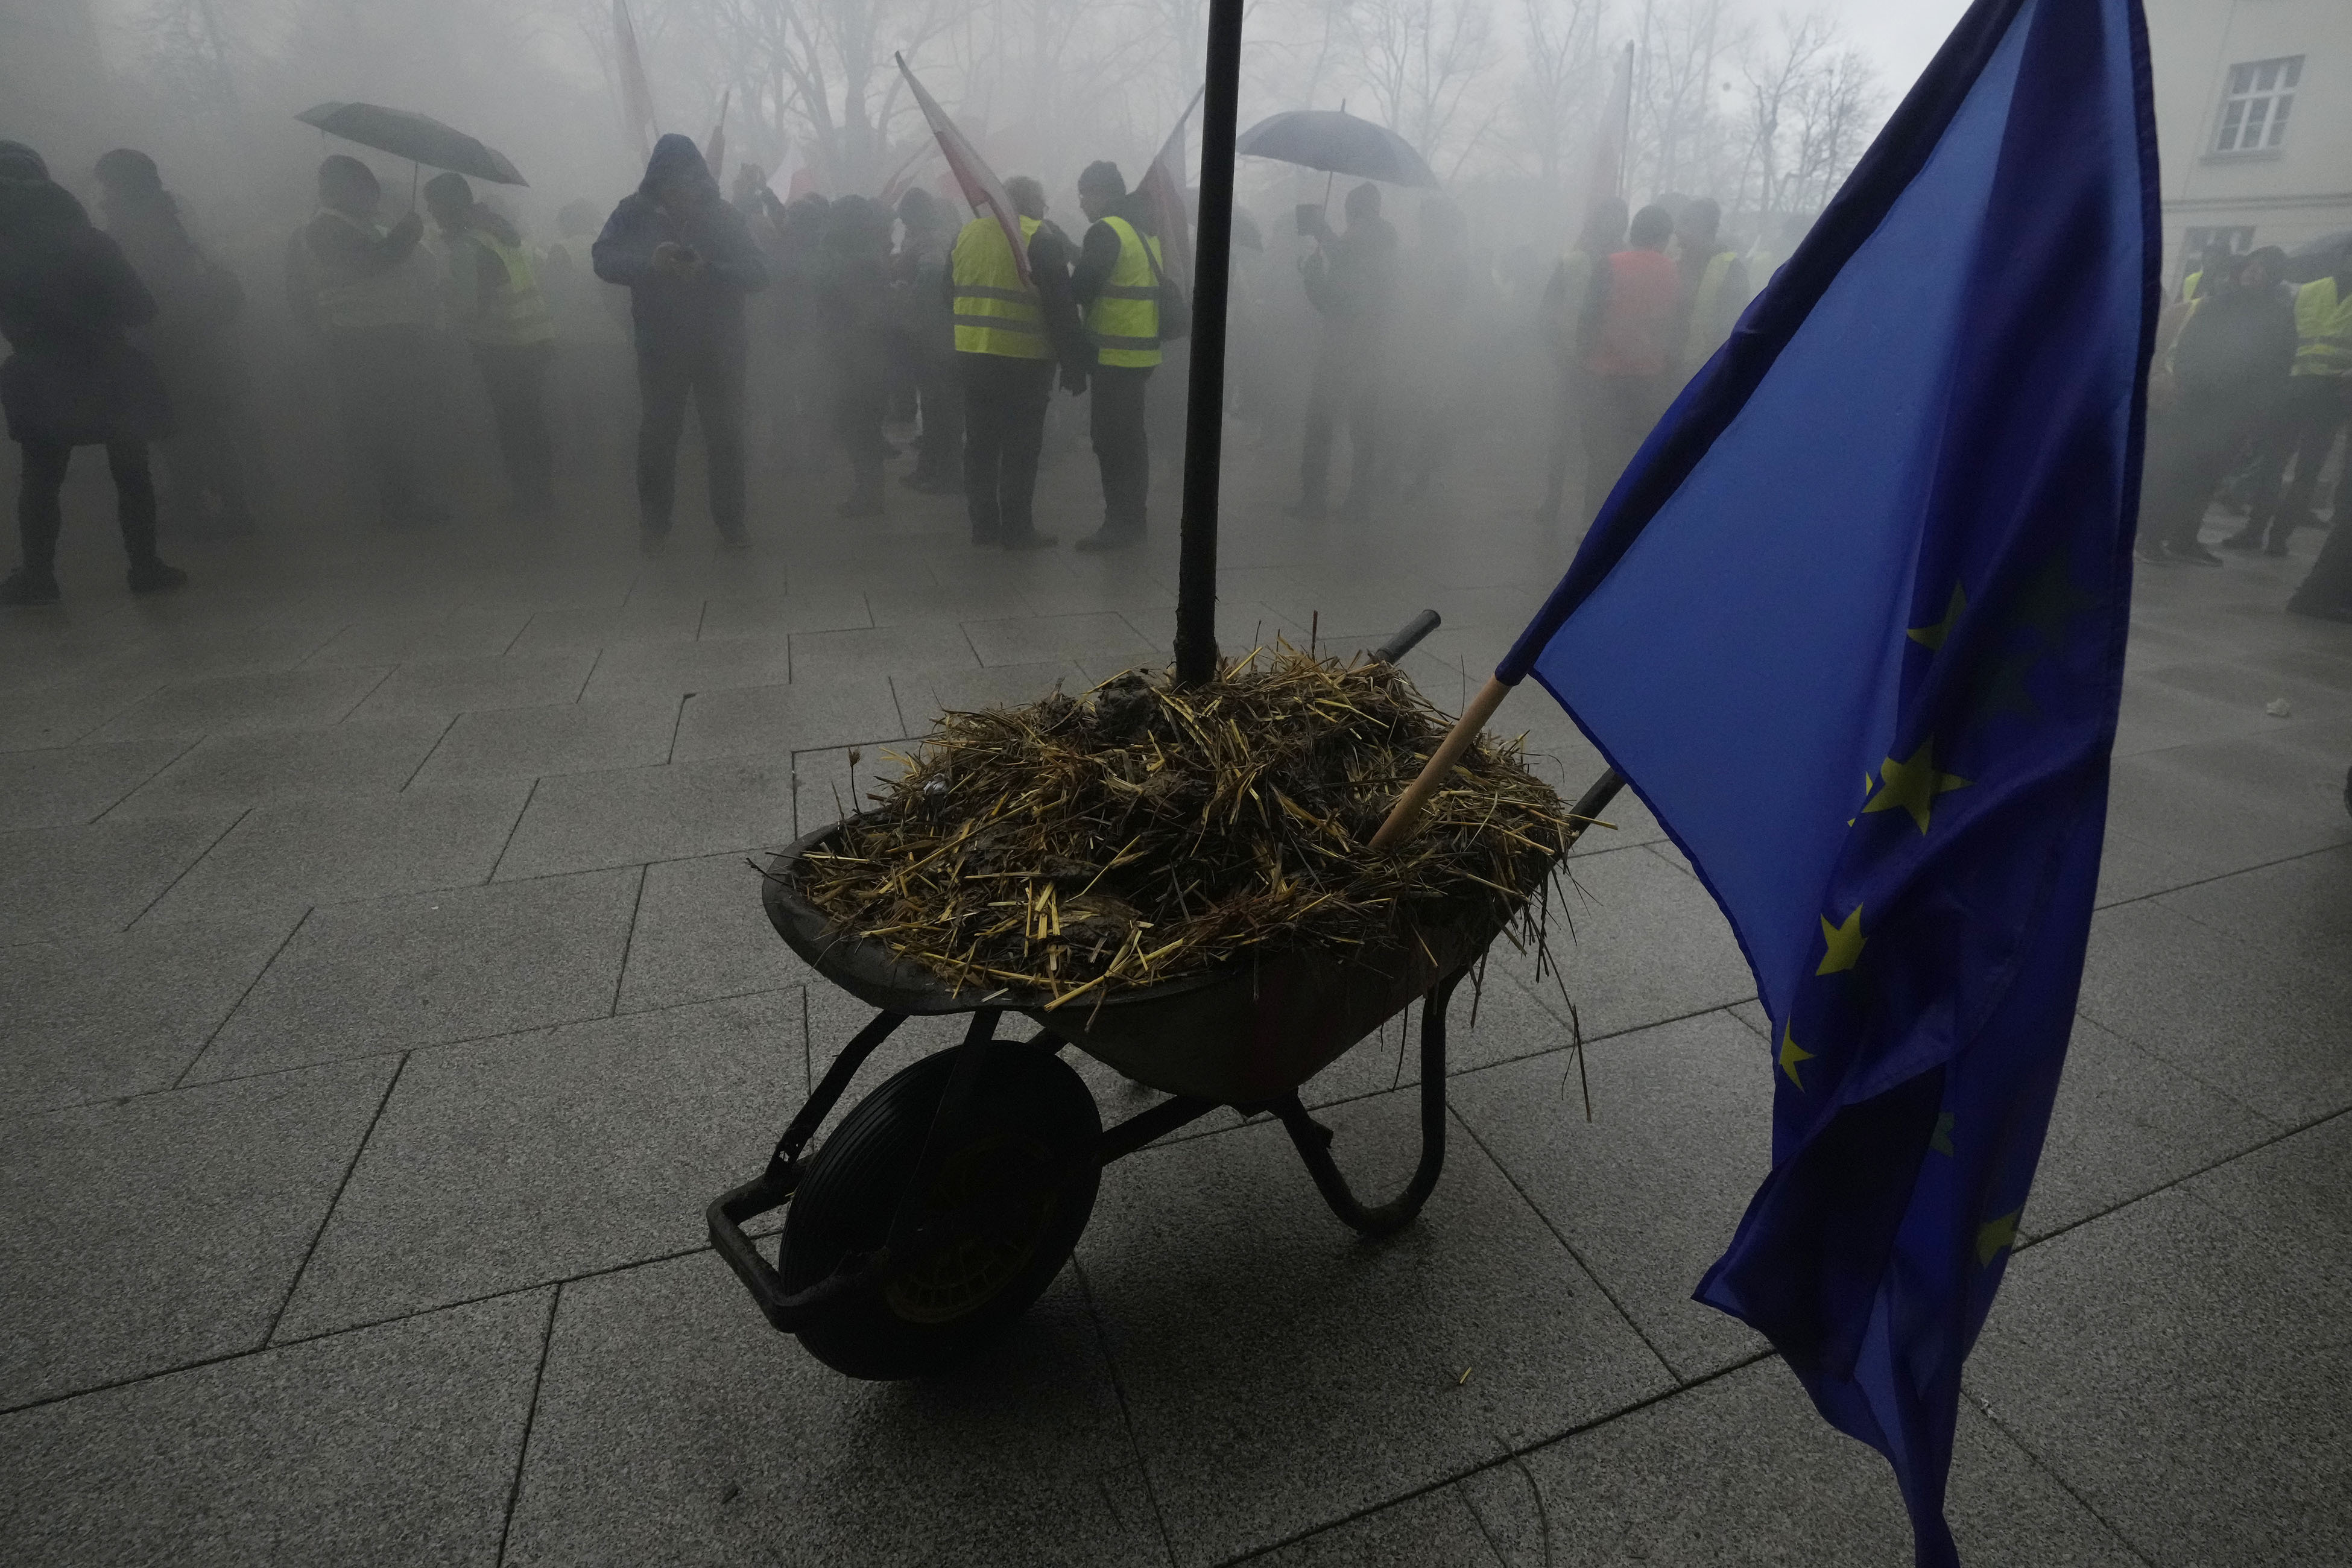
{"x":1313,"y":1140}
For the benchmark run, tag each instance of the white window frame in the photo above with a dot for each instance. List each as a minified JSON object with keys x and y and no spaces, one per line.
{"x":2257,"y":97}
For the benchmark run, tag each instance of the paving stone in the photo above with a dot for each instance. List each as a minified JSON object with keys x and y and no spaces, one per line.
{"x":1248,"y":1325}
{"x":58,"y":712}
{"x":840,"y":610}
{"x":448,"y":686}
{"x":2231,"y":804}
{"x":111,"y":1016}
{"x":291,"y":854}
{"x":230,"y":772}
{"x":565,"y":737}
{"x":64,"y":786}
{"x":1742,"y":1470}
{"x":2133,"y":867}
{"x":230,"y":646}
{"x":463,"y":633}
{"x":702,"y":933}
{"x":2301,"y":907}
{"x":158,"y":1231}
{"x":2183,"y":1370}
{"x":1431,"y":1529}
{"x":673,"y":669}
{"x":674,"y":1426}
{"x":925,"y":694}
{"x":57,"y":882}
{"x":227,"y":704}
{"x":395,"y":1445}
{"x":827,"y":785}
{"x":776,"y":721}
{"x":425,"y":968}
{"x":2292,"y":1191}
{"x":1037,"y":639}
{"x":882,"y":649}
{"x":2154,"y":717}
{"x":1648,"y":1192}
{"x":515,"y":1162}
{"x":571,"y":631}
{"x":580,"y":822}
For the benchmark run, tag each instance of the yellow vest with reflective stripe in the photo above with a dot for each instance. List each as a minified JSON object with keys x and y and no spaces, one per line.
{"x":395,"y":297}
{"x":995,"y":312}
{"x":1124,"y":319}
{"x":2323,"y":330}
{"x":1701,"y":342}
{"x":517,"y":314}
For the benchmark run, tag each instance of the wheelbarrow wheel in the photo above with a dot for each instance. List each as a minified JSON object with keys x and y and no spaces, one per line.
{"x":1028,"y":1108}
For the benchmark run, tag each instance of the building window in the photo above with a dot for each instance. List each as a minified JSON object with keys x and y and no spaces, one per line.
{"x":2254,"y":109}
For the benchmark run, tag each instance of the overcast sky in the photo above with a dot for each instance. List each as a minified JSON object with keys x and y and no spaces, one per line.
{"x":1901,"y":35}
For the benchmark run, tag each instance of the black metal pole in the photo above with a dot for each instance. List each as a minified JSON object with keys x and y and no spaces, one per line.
{"x":1204,"y":419}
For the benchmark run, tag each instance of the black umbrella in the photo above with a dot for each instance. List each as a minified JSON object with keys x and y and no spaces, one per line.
{"x":416,"y":137}
{"x":1337,"y":143}
{"x":2317,"y":258}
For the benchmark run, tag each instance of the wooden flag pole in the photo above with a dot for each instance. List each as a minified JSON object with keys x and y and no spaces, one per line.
{"x":1405,"y":816}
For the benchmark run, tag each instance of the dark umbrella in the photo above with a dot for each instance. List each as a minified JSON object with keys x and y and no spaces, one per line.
{"x":416,"y":137}
{"x":2317,"y":258}
{"x":1337,"y":143}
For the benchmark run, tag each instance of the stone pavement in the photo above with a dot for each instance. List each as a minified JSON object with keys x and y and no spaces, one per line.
{"x":385,"y":992}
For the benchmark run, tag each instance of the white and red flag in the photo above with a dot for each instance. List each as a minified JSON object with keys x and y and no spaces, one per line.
{"x":978,"y":181}
{"x":1163,"y":187}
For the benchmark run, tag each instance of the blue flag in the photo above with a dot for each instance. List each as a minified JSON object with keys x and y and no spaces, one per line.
{"x":1852,"y":626}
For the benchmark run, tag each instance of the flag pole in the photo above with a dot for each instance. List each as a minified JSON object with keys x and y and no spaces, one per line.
{"x":1405,"y":815}
{"x":1204,"y":419}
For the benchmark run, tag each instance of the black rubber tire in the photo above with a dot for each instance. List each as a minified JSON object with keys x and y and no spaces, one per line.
{"x":1029,"y":1104}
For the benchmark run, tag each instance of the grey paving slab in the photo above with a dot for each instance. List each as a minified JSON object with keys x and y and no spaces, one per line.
{"x":1434,"y":1529}
{"x":925,"y":694}
{"x":838,"y":610}
{"x":1249,"y":1327}
{"x":2126,"y":1123}
{"x":674,"y":1426}
{"x":278,"y":699}
{"x":447,"y":686}
{"x":883,"y":648}
{"x":1742,"y":1470}
{"x":61,"y":712}
{"x":2292,"y":1191}
{"x":827,"y":785}
{"x":580,"y":822}
{"x":291,"y":854}
{"x":153,"y":1232}
{"x":64,"y":786}
{"x":645,"y":621}
{"x":673,"y":669}
{"x":701,"y":934}
{"x":111,"y":1016}
{"x":2182,"y":1367}
{"x":392,"y":1446}
{"x":515,"y":1162}
{"x":776,"y":721}
{"x":2251,"y":684}
{"x":2228,"y":806}
{"x":57,"y":882}
{"x":1104,"y":636}
{"x":231,"y":645}
{"x":2154,"y":717}
{"x":563,"y":738}
{"x":464,"y":633}
{"x":230,"y":772}
{"x":2262,"y":1026}
{"x":385,"y":975}
{"x":2134,"y":868}
{"x":2301,"y":907}
{"x":1648,"y":1192}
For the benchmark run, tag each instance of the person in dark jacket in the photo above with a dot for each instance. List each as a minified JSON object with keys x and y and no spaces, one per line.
{"x":72,"y":379}
{"x":861,"y":338}
{"x":1351,"y":280}
{"x":198,"y":300}
{"x":2230,"y":368}
{"x":688,"y":261}
{"x":803,"y":370}
{"x":923,"y":260}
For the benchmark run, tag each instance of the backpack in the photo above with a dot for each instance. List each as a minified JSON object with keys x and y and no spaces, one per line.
{"x":1175,"y":305}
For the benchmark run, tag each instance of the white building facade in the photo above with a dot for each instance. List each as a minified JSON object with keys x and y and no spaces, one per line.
{"x":2253,"y":112}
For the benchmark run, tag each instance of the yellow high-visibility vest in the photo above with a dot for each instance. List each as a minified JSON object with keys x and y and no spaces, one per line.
{"x":2323,"y":330}
{"x":394,"y":296}
{"x":514,"y":317}
{"x":1124,"y":319}
{"x":1702,"y":341}
{"x":995,"y":312}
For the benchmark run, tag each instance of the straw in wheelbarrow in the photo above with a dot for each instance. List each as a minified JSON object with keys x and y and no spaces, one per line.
{"x":1078,"y":845}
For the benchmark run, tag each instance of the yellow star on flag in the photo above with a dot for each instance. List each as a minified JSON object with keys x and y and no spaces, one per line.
{"x":1844,"y":942}
{"x":1913,"y":786}
{"x":1933,"y":636}
{"x":1791,"y":1054}
{"x":1994,"y":1236}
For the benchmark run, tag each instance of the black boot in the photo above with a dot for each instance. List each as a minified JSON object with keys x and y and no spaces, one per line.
{"x":26,"y":585}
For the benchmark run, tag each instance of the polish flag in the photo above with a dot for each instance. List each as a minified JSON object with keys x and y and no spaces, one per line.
{"x":978,"y":181}
{"x":1164,"y":187}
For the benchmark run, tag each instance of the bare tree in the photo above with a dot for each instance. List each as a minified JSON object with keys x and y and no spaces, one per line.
{"x":1835,"y":117}
{"x":1560,"y":67}
{"x":1423,"y":61}
{"x":188,"y":50}
{"x":1776,"y":78}
{"x":1680,"y":138}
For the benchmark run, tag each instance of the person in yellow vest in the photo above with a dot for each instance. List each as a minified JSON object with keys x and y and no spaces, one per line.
{"x":366,"y":291}
{"x":2318,"y":400}
{"x":1715,"y":283}
{"x":495,"y":299}
{"x":1116,"y":286}
{"x":1009,"y":335}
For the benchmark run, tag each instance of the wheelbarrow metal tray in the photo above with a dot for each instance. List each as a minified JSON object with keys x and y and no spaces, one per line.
{"x":1243,"y":1035}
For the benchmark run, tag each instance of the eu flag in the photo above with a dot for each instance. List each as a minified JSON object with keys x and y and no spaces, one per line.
{"x":1852,"y":626}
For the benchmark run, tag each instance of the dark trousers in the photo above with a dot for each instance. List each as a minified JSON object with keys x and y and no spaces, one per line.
{"x":711,"y":375}
{"x":40,"y":513}
{"x":1347,"y":386}
{"x":383,"y":380}
{"x":515,"y":378}
{"x":1618,"y":413}
{"x":940,"y":458}
{"x":2195,"y":445}
{"x":1115,"y":418}
{"x":1004,"y":404}
{"x":2313,"y":410}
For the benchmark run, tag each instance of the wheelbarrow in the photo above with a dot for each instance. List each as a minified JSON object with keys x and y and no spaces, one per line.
{"x":944,"y":1202}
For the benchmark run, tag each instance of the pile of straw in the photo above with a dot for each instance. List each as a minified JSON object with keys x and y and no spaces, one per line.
{"x":1073,"y":847}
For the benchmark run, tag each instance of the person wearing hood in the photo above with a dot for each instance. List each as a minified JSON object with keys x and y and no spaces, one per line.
{"x":196,"y":301}
{"x":688,"y":262}
{"x":1350,"y":280}
{"x":365,"y":290}
{"x":494,"y":297}
{"x":72,"y":379}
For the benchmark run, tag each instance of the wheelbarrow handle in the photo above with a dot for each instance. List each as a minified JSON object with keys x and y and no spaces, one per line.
{"x":1404,"y":643}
